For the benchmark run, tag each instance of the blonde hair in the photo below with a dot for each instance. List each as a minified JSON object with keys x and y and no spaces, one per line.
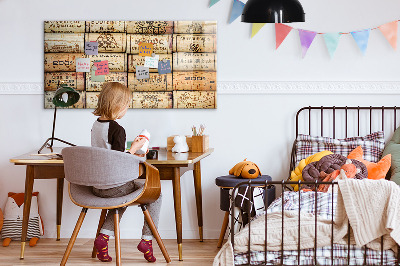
{"x":112,"y":99}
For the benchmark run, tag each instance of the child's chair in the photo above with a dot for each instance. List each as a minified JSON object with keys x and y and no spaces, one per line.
{"x":85,"y":167}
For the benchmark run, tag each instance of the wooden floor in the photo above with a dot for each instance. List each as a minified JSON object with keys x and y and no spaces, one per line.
{"x":50,"y":252}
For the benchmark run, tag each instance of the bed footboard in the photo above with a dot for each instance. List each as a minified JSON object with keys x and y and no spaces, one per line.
{"x":311,"y":254}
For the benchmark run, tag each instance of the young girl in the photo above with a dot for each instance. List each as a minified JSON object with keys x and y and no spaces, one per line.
{"x":113,"y":103}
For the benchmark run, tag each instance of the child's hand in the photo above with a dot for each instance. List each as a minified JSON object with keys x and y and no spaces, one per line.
{"x":137,"y":144}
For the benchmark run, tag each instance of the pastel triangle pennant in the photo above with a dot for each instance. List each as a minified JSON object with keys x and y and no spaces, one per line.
{"x":281,"y":31}
{"x":256,"y":27}
{"x":213,"y":2}
{"x":389,"y":30}
{"x":332,"y":41}
{"x":237,"y":8}
{"x":306,"y":39}
{"x":361,"y":37}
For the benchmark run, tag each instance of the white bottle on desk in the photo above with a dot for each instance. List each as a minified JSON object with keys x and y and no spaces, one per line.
{"x":144,"y":134}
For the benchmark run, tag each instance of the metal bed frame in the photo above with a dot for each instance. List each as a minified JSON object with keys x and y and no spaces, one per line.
{"x":283,"y":184}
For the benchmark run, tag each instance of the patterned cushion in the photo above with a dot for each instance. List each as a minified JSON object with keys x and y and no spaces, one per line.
{"x":372,"y":144}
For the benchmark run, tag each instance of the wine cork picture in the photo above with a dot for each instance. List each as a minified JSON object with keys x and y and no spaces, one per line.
{"x":183,"y":56}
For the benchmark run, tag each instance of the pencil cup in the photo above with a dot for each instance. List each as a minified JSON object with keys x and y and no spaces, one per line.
{"x":200,"y":143}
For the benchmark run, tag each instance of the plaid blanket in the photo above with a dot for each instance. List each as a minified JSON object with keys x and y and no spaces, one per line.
{"x":323,"y":205}
{"x":250,"y":202}
{"x":307,"y":202}
{"x":324,"y":257}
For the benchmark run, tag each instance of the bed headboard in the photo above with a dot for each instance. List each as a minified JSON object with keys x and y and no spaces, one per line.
{"x":344,"y":118}
{"x":344,"y":121}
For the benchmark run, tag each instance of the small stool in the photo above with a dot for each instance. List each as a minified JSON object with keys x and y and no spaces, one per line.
{"x":226,"y":183}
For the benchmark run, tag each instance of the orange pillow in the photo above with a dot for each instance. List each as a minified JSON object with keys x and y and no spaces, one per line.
{"x":375,"y":170}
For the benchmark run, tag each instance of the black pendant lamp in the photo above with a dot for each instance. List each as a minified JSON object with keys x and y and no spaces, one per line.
{"x":273,"y":11}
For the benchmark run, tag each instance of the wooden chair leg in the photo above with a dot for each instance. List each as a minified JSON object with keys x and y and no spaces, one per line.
{"x":223,"y":229}
{"x":117,"y":239}
{"x":101,"y":222}
{"x":73,"y":237}
{"x":154,"y":230}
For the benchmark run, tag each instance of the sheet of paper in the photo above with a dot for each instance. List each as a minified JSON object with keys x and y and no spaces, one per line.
{"x":83,"y":65}
{"x":99,"y":78}
{"x":151,"y":61}
{"x":145,"y":49}
{"x":164,"y":67}
{"x":142,"y":72}
{"x":91,"y":48}
{"x":102,"y":67}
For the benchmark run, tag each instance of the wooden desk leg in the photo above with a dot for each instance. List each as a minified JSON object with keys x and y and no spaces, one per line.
{"x":60,"y":190}
{"x":27,"y":206}
{"x":176,"y":182}
{"x":199,"y":204}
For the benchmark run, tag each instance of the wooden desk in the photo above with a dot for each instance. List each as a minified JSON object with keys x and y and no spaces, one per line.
{"x":168,"y":164}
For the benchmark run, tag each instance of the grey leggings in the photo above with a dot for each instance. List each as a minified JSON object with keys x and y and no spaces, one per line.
{"x":154,"y":208}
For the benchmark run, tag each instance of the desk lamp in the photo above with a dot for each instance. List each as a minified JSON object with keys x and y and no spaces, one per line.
{"x":273,"y":11}
{"x":65,"y":96}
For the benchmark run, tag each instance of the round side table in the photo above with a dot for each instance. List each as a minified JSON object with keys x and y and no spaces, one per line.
{"x":226,"y":183}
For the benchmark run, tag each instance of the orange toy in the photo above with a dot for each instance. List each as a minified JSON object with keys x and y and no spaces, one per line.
{"x":245,"y":169}
{"x":375,"y":170}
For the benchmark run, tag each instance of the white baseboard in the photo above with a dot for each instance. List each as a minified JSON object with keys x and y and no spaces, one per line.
{"x":259,"y":87}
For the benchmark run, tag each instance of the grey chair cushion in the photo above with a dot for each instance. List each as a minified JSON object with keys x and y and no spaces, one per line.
{"x":83,"y":196}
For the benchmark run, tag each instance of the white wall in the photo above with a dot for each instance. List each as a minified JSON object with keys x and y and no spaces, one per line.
{"x":259,"y":127}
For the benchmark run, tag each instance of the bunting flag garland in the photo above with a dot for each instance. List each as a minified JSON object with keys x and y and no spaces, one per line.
{"x":332,"y":41}
{"x":389,"y":30}
{"x":255,"y":28}
{"x":237,"y":8}
{"x":213,"y":2}
{"x":306,"y":39}
{"x":281,"y":31}
{"x":361,"y":37}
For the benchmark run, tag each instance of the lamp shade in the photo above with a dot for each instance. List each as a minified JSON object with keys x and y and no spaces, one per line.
{"x":273,"y":11}
{"x":65,"y":96}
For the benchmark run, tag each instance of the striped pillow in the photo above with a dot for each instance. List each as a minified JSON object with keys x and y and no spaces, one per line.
{"x":372,"y":145}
